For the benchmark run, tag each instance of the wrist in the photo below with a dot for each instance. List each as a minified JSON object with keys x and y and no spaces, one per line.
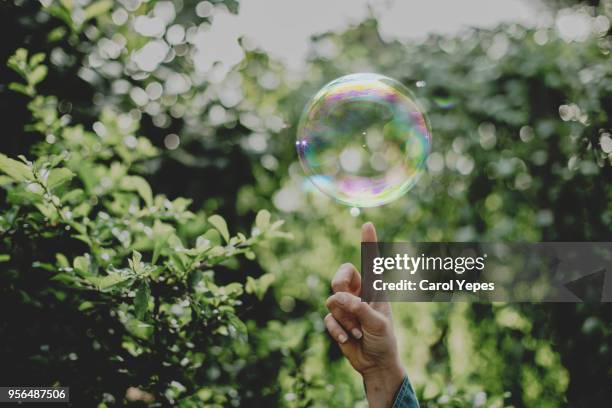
{"x":382,"y":383}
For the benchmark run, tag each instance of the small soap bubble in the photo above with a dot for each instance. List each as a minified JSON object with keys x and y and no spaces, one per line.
{"x":363,"y":140}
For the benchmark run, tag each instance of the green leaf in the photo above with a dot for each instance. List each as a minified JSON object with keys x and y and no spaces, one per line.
{"x":17,"y":62}
{"x":86,"y":305}
{"x":5,"y":257}
{"x":213,"y":236}
{"x":233,"y":288}
{"x":108,"y":282}
{"x":21,"y":54}
{"x":139,"y":328}
{"x":48,"y":210}
{"x":159,"y":245}
{"x":219,"y":223}
{"x":111,"y":280}
{"x":4,"y":180}
{"x":277,"y":224}
{"x":38,"y":74}
{"x":76,"y":195}
{"x":67,"y":4}
{"x":66,"y":279}
{"x":135,"y":262}
{"x":258,"y":287}
{"x":140,"y":185}
{"x":62,"y":261}
{"x":36,"y":59}
{"x":57,"y":177}
{"x":161,"y":233}
{"x":262,"y":220}
{"x":21,"y":88}
{"x":61,"y":13}
{"x":238,"y":328}
{"x":44,"y":265}
{"x":203,"y":243}
{"x":180,"y":261}
{"x":81,"y":265}
{"x":98,"y":8}
{"x":204,"y":394}
{"x":141,"y":300}
{"x":15,"y":169}
{"x":56,"y":34}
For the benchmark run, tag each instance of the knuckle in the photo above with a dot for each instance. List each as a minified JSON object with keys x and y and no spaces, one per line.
{"x":329,"y":302}
{"x":382,"y":325}
{"x":356,"y":306}
{"x":349,"y":323}
{"x":332,"y":302}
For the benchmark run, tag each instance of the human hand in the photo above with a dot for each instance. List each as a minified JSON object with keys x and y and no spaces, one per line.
{"x":371,"y":347}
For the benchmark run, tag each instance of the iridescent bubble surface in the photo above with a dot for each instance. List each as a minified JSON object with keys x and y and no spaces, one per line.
{"x":363,"y":140}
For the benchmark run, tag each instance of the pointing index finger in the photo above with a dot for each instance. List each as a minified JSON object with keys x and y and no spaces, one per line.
{"x":368,"y":234}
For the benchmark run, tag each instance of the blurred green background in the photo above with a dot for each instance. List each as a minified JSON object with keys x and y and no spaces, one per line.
{"x":520,"y":109}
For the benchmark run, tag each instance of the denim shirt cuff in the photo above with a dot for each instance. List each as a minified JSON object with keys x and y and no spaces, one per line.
{"x":405,"y":397}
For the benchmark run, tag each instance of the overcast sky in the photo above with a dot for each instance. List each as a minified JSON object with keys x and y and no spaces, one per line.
{"x":283,"y":28}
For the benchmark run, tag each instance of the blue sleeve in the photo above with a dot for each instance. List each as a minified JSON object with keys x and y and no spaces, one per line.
{"x":405,"y":397}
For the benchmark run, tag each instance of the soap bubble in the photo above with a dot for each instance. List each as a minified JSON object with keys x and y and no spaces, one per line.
{"x":363,"y":140}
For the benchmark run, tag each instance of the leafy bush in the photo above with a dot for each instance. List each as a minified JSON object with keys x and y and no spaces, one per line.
{"x":83,"y":234}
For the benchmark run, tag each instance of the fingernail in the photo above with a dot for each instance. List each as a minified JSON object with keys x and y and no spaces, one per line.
{"x":357,"y":333}
{"x":342,"y":338}
{"x":342,"y":298}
